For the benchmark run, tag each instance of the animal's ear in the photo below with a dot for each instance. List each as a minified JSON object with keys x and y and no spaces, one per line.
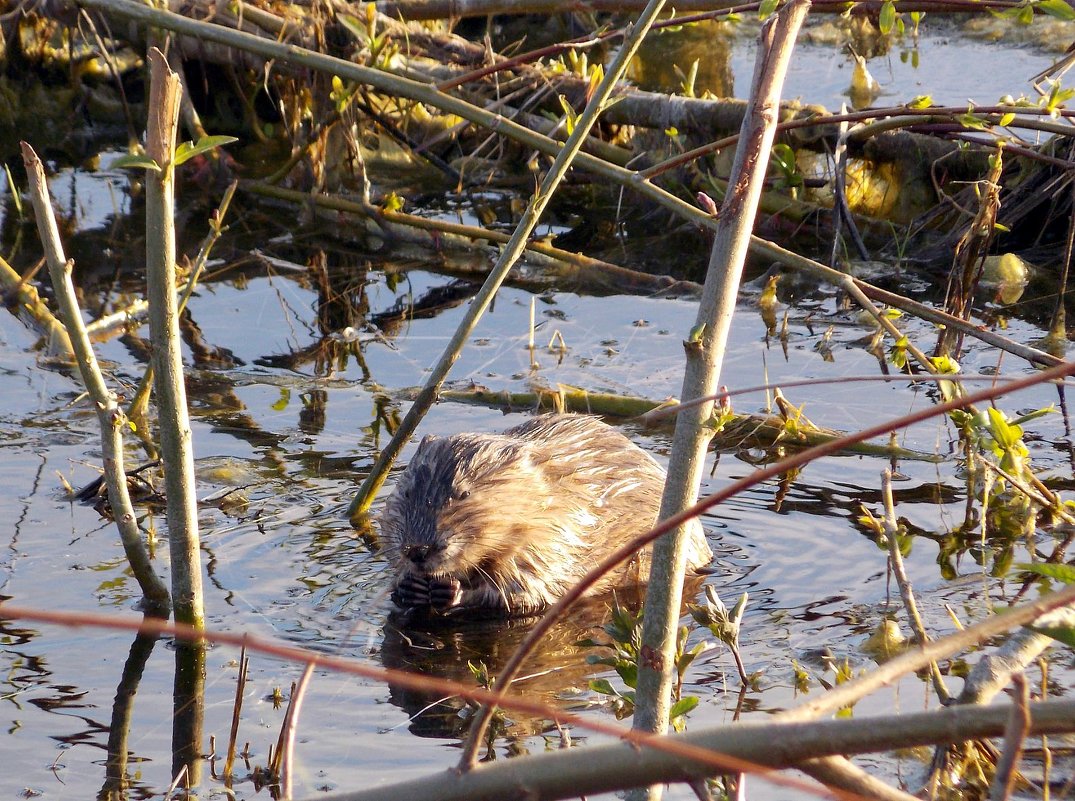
{"x":428,"y":439}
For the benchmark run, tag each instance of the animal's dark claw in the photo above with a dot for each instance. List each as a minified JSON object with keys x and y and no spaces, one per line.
{"x":445,"y":592}
{"x":411,"y":591}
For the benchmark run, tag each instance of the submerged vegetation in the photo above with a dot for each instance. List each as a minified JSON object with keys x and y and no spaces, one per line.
{"x":348,"y":152}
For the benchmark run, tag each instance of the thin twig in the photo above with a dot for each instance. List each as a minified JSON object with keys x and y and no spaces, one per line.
{"x":654,"y":416}
{"x":849,"y":690}
{"x":892,"y":531}
{"x":288,"y":729}
{"x":704,"y":349}
{"x":719,"y":750}
{"x":173,"y":419}
{"x":508,"y":256}
{"x":840,"y":187}
{"x":1015,"y":734}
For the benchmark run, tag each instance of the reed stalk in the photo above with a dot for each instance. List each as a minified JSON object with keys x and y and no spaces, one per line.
{"x":175,"y":434}
{"x":705,"y":347}
{"x":109,"y":414}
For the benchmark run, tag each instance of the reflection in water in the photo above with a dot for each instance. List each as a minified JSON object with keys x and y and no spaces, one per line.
{"x":117,"y":781}
{"x":296,"y":428}
{"x":452,"y":650}
{"x":695,"y":59}
{"x":188,"y":712}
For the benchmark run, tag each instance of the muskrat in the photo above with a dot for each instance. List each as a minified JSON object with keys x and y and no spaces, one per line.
{"x":506,"y":523}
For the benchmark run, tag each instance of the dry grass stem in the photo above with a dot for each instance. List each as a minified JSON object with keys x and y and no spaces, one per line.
{"x":236,"y":711}
{"x":892,"y":534}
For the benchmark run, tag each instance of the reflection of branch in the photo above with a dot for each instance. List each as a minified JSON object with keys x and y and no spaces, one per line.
{"x":557,"y":266}
{"x":188,"y":709}
{"x":115,"y":785}
{"x":30,"y":306}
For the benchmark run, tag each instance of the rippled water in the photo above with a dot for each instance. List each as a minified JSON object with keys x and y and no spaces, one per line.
{"x":281,"y":560}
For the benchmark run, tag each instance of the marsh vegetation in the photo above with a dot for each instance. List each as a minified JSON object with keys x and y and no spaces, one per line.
{"x":354,"y":174}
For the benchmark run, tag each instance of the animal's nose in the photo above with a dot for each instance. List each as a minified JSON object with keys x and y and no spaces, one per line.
{"x":418,"y":553}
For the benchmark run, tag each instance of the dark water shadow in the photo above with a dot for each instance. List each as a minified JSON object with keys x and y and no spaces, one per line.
{"x":454,"y":649}
{"x":117,"y":781}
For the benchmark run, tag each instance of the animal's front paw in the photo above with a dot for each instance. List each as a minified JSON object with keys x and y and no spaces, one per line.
{"x":438,"y":593}
{"x":445,"y":593}
{"x":412,"y":590}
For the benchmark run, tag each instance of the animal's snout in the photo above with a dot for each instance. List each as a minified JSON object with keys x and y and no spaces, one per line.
{"x":419,"y":553}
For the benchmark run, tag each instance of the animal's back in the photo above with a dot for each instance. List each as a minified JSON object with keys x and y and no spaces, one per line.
{"x":510,"y":522}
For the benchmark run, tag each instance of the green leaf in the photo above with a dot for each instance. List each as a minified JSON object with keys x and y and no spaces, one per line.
{"x":355,"y":26}
{"x":393,"y":202}
{"x":921,"y":102}
{"x":189,"y":150}
{"x":134,"y":161}
{"x":283,"y":400}
{"x":1064,"y":634}
{"x":1007,"y":13}
{"x":1034,"y":415}
{"x":570,"y":115}
{"x":628,"y":672}
{"x":1063,"y":573}
{"x":945,"y":364}
{"x":603,"y":686}
{"x":784,"y":156}
{"x":887,"y":18}
{"x":969,"y":120}
{"x":683,"y":706}
{"x":766,"y":8}
{"x":1057,"y":8}
{"x":1006,"y":119}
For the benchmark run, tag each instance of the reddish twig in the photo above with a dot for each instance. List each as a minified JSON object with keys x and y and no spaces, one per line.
{"x":537,"y":634}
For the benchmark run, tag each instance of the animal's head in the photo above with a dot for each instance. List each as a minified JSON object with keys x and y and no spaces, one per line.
{"x":463,"y":503}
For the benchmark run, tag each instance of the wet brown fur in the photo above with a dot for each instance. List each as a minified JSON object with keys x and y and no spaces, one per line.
{"x":506,"y":523}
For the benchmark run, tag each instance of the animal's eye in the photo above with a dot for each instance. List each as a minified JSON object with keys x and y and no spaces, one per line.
{"x":462,"y":495}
